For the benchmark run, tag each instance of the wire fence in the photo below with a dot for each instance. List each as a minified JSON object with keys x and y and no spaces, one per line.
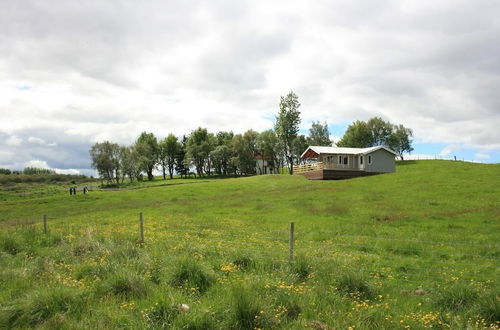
{"x":426,"y":258}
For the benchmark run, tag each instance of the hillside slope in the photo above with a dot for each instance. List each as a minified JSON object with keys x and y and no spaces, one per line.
{"x":391,"y":251}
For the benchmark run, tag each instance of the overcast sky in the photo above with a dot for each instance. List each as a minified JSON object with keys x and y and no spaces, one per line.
{"x":75,"y":73}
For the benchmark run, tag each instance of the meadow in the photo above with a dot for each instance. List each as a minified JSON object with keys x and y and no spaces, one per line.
{"x":415,"y":249}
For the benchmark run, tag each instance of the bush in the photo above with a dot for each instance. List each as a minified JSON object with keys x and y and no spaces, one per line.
{"x":189,"y":274}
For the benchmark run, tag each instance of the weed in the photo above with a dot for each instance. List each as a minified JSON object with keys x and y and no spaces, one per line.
{"x":489,"y":308}
{"x":10,"y":245}
{"x":355,"y":285}
{"x":41,"y":305}
{"x":301,"y":269}
{"x":191,"y":275}
{"x":125,"y":285}
{"x":244,"y":262}
{"x":161,"y":315}
{"x":247,"y":313}
{"x":456,"y":297}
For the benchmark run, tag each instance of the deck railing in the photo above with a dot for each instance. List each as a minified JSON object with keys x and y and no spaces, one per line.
{"x":298,"y":169}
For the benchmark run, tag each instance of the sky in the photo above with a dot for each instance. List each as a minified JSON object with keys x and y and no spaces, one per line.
{"x":76,"y":73}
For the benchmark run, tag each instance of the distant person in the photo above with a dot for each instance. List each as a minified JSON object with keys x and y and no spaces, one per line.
{"x":71,"y":190}
{"x":85,"y":190}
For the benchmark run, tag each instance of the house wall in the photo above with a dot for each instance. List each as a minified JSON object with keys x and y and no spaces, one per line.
{"x":382,"y":162}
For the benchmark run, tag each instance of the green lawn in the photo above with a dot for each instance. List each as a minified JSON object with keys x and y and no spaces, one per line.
{"x":415,"y":249}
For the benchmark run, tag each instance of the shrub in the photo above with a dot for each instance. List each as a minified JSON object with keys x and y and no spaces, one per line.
{"x":355,"y":285}
{"x":190,"y":274}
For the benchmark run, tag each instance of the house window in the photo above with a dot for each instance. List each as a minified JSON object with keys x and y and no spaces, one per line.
{"x":369,"y":159}
{"x":340,"y":159}
{"x":346,"y":160}
{"x":360,"y":160}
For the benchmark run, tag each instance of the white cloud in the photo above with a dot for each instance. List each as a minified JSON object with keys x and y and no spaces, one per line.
{"x":14,"y":141}
{"x":103,"y":71}
{"x":43,"y":164}
{"x":481,"y":155}
{"x":450,"y":149}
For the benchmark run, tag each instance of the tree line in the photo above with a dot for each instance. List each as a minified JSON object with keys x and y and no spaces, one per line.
{"x":225,"y":153}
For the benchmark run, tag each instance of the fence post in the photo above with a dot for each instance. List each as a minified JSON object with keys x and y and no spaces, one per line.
{"x":45,"y":224}
{"x":141,"y":226}
{"x":292,"y":240}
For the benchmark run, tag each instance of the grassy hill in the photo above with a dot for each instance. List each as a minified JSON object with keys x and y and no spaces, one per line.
{"x":414,"y":249}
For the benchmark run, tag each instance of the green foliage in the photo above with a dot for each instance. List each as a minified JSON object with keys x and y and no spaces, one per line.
{"x":355,"y":285}
{"x":400,"y":141}
{"x":301,"y":269}
{"x":247,"y":310}
{"x":38,"y":171}
{"x":381,"y":252}
{"x":168,"y":150}
{"x":161,"y":315}
{"x":319,"y":135}
{"x":125,"y":285}
{"x":489,"y":308}
{"x":377,"y":132}
{"x":190,"y":275}
{"x":106,"y":160}
{"x":5,"y":171}
{"x":41,"y":305}
{"x":199,"y":145}
{"x":357,"y":135}
{"x":456,"y":297}
{"x":146,"y":147}
{"x":287,"y":125}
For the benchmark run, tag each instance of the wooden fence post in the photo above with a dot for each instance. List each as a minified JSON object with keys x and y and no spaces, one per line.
{"x":141,"y":226}
{"x":292,"y":240}
{"x":45,"y":224}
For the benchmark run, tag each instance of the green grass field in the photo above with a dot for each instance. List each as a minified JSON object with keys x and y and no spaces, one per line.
{"x":415,"y":249}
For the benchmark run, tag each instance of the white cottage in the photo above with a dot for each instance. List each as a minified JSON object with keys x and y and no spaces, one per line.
{"x":342,"y":163}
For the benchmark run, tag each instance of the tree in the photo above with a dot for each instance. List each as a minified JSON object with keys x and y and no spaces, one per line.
{"x":168,"y":149}
{"x":106,"y":160}
{"x":198,"y":149}
{"x":180,"y":158}
{"x":380,"y":130}
{"x":146,"y":147}
{"x":300,"y":145}
{"x":287,"y":125}
{"x":129,"y":163}
{"x":319,"y":135}
{"x":357,"y":135}
{"x":269,"y":147}
{"x":244,"y":151}
{"x":5,"y":171}
{"x":399,"y":140}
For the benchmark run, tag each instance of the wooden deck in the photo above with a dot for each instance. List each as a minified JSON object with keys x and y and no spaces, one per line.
{"x":317,"y":171}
